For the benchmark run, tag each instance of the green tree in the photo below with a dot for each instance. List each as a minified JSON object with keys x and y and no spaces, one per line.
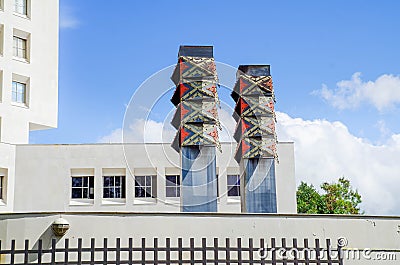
{"x":336,"y":198}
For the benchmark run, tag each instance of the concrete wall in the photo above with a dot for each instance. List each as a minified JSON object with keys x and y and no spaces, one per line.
{"x":39,"y":72}
{"x":360,"y":231}
{"x":43,"y":176}
{"x":7,"y":170}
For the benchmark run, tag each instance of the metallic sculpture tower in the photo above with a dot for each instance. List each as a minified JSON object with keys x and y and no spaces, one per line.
{"x":255,"y":134}
{"x":196,"y":120}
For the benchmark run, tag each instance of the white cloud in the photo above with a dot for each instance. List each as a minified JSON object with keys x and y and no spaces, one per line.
{"x":324,"y":151}
{"x":68,"y":19}
{"x":383,"y":93}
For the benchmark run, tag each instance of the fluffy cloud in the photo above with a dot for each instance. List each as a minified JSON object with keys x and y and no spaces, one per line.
{"x":324,"y":151}
{"x":383,"y":93}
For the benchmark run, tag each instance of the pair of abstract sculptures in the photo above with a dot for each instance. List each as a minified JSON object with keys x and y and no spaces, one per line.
{"x":197,"y":123}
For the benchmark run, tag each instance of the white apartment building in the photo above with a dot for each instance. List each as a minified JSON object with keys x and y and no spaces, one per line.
{"x":28,"y":79}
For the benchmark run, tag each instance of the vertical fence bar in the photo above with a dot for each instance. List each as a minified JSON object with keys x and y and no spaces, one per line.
{"x":118,"y":251}
{"x":284,"y":257}
{"x":168,"y":251}
{"x":191,"y":251}
{"x":251,"y":249}
{"x":40,"y":248}
{"x":12,"y":252}
{"x":66,"y":251}
{"x":92,"y":250}
{"x":155,"y":255}
{"x":143,"y":251}
{"x":273,"y":251}
{"x":227,"y":251}
{"x":216,"y":251}
{"x":79,"y":251}
{"x":328,"y":251}
{"x":53,"y":251}
{"x":317,"y":251}
{"x":26,"y":251}
{"x":262,"y":251}
{"x":130,"y":254}
{"x":105,"y":251}
{"x":306,"y":252}
{"x":204,"y":251}
{"x":295,"y":261}
{"x":180,"y":251}
{"x":239,"y":250}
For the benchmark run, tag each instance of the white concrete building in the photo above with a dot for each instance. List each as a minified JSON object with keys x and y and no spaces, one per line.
{"x":93,"y":178}
{"x":28,"y":68}
{"x":28,"y":79}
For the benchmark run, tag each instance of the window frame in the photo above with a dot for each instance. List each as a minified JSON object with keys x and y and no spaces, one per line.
{"x":25,"y":8}
{"x":14,"y":92}
{"x":233,"y":187}
{"x":20,"y":47}
{"x":113,"y":187}
{"x":145,"y":186}
{"x":174,"y":186}
{"x":89,"y":188}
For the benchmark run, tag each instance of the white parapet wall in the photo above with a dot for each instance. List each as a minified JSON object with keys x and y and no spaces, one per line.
{"x":362,"y":232}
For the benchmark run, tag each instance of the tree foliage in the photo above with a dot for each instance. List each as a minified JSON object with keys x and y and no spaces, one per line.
{"x":336,"y":198}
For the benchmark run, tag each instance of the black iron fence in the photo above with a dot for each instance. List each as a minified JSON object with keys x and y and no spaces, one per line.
{"x":179,"y":251}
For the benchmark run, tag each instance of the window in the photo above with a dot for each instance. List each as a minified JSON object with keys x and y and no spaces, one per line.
{"x":21,"y":7}
{"x":173,"y":186}
{"x":233,"y":185}
{"x":144,"y":186}
{"x":83,"y":187}
{"x":18,"y":92}
{"x":114,"y":187}
{"x":19,"y":47}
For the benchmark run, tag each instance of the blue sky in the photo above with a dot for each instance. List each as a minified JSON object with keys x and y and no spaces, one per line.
{"x":107,"y":51}
{"x":335,"y":67}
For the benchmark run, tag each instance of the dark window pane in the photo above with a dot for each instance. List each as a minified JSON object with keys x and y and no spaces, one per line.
{"x":139,"y":192}
{"x":232,"y":180}
{"x":76,"y":182}
{"x":148,"y":192}
{"x":117,"y":181}
{"x":117,"y":193}
{"x":171,"y":180}
{"x":170,"y":192}
{"x":76,"y":193}
{"x":108,"y":181}
{"x":85,"y":194}
{"x":148,"y":180}
{"x":85,"y":181}
{"x":106,"y":193}
{"x":178,"y":192}
{"x":91,"y":182}
{"x":140,"y":181}
{"x":234,"y":191}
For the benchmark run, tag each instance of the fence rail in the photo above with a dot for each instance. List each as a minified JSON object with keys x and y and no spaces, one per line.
{"x":236,"y":251}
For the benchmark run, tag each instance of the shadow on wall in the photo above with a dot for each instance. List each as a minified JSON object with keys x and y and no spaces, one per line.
{"x":45,"y":240}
